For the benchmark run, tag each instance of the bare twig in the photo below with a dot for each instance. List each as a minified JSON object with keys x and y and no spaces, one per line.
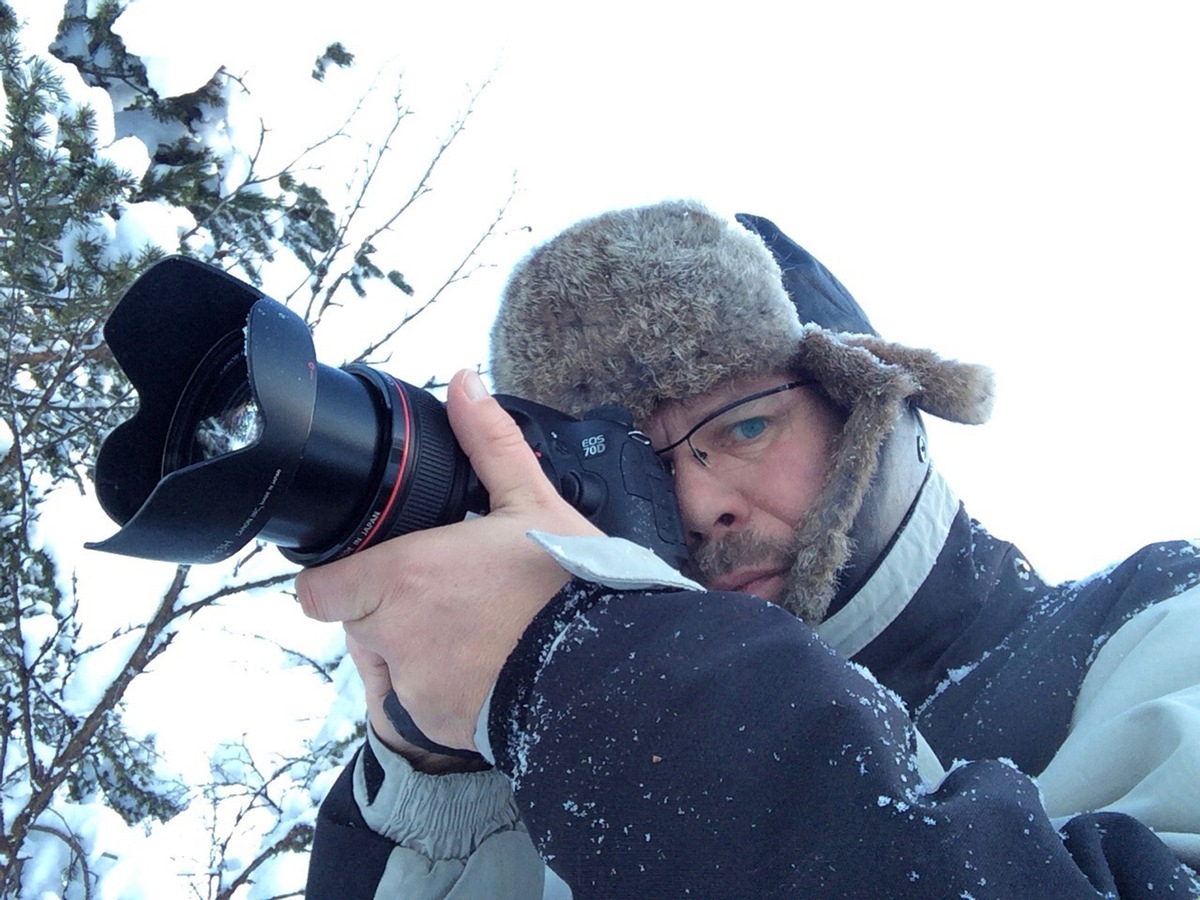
{"x":323,"y":295}
{"x":295,"y":841}
{"x":156,"y":637}
{"x":80,"y":854}
{"x":456,"y":275}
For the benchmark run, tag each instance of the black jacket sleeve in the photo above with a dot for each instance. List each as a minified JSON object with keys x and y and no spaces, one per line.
{"x":688,"y":744}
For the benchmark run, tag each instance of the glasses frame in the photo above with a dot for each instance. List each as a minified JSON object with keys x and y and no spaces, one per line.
{"x":699,"y":455}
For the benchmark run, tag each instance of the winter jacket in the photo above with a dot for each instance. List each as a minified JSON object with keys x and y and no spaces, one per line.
{"x":1091,"y":685}
{"x":674,"y":741}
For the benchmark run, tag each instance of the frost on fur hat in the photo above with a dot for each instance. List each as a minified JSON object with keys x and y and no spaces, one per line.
{"x":639,"y":306}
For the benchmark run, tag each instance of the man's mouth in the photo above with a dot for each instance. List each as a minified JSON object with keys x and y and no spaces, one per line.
{"x":764,"y":583}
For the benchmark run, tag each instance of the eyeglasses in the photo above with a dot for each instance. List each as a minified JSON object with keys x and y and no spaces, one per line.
{"x":740,"y":432}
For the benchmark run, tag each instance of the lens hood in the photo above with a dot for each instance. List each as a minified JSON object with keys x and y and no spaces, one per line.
{"x":160,"y":333}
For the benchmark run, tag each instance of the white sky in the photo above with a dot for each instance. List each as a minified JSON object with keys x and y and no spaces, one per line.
{"x":1013,"y":184}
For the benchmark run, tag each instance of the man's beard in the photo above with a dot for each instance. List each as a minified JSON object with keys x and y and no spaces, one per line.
{"x":736,"y":550}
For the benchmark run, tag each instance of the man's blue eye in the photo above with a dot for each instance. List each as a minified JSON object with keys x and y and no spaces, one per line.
{"x":748,"y":429}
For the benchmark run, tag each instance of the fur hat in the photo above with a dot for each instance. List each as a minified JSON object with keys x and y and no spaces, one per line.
{"x":640,"y":306}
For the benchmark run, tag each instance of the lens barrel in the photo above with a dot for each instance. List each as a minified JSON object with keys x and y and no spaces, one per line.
{"x":417,"y":478}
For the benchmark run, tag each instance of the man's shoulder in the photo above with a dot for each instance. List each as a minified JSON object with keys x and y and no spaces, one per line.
{"x":1154,"y":573}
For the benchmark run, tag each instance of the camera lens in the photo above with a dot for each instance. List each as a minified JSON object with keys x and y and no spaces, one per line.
{"x":236,"y":425}
{"x":379,"y":458}
{"x":380,"y":461}
{"x":240,"y":433}
{"x":217,"y":413}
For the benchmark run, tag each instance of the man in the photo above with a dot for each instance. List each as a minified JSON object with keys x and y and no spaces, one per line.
{"x":804,"y":479}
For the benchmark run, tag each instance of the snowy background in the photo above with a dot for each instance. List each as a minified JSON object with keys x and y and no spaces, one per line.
{"x":1013,"y":185}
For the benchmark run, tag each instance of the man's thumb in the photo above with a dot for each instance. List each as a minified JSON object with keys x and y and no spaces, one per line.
{"x":493,"y":442}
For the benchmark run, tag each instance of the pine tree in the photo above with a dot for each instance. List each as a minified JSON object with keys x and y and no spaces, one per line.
{"x":61,"y":201}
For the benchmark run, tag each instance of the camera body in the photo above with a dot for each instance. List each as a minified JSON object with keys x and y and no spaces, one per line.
{"x":241,"y":433}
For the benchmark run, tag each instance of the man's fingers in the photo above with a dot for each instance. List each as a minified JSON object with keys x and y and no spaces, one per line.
{"x":491,"y":439}
{"x":344,"y":590}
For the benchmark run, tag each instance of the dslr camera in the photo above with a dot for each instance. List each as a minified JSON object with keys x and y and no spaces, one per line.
{"x":240,"y":434}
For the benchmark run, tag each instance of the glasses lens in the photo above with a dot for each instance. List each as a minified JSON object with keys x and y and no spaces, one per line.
{"x":741,"y":431}
{"x":744,"y":432}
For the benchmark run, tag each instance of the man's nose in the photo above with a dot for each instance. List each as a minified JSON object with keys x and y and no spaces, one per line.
{"x":709,"y":505}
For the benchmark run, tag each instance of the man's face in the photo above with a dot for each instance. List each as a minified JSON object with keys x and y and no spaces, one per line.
{"x":747,"y":477}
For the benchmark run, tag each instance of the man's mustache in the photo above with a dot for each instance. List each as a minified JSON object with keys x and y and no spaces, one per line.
{"x":735,"y":550}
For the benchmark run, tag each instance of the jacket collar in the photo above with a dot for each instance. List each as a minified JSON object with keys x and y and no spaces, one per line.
{"x":901,"y":572}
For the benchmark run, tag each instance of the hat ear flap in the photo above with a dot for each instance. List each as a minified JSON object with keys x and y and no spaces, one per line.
{"x":847,"y":372}
{"x":946,"y":388}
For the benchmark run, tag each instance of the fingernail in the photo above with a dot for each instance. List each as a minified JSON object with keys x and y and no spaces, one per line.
{"x":473,"y":386}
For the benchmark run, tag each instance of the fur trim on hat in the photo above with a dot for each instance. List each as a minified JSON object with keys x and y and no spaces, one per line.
{"x":875,"y":383}
{"x":946,"y":388}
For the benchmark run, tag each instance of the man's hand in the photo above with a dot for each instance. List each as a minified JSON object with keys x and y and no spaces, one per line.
{"x":438,"y":611}
{"x":377,"y":681}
